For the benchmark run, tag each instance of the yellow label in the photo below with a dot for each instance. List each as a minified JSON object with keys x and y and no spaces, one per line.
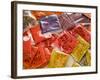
{"x":88,"y":57}
{"x":86,"y":60}
{"x":58,"y":59}
{"x":75,"y":64}
{"x":80,"y":50}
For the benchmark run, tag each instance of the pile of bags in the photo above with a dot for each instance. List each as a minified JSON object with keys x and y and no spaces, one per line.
{"x":56,"y":39}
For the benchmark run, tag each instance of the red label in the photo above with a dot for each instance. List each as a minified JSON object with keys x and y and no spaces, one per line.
{"x":83,"y":32}
{"x":36,"y":34}
{"x":67,"y":42}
